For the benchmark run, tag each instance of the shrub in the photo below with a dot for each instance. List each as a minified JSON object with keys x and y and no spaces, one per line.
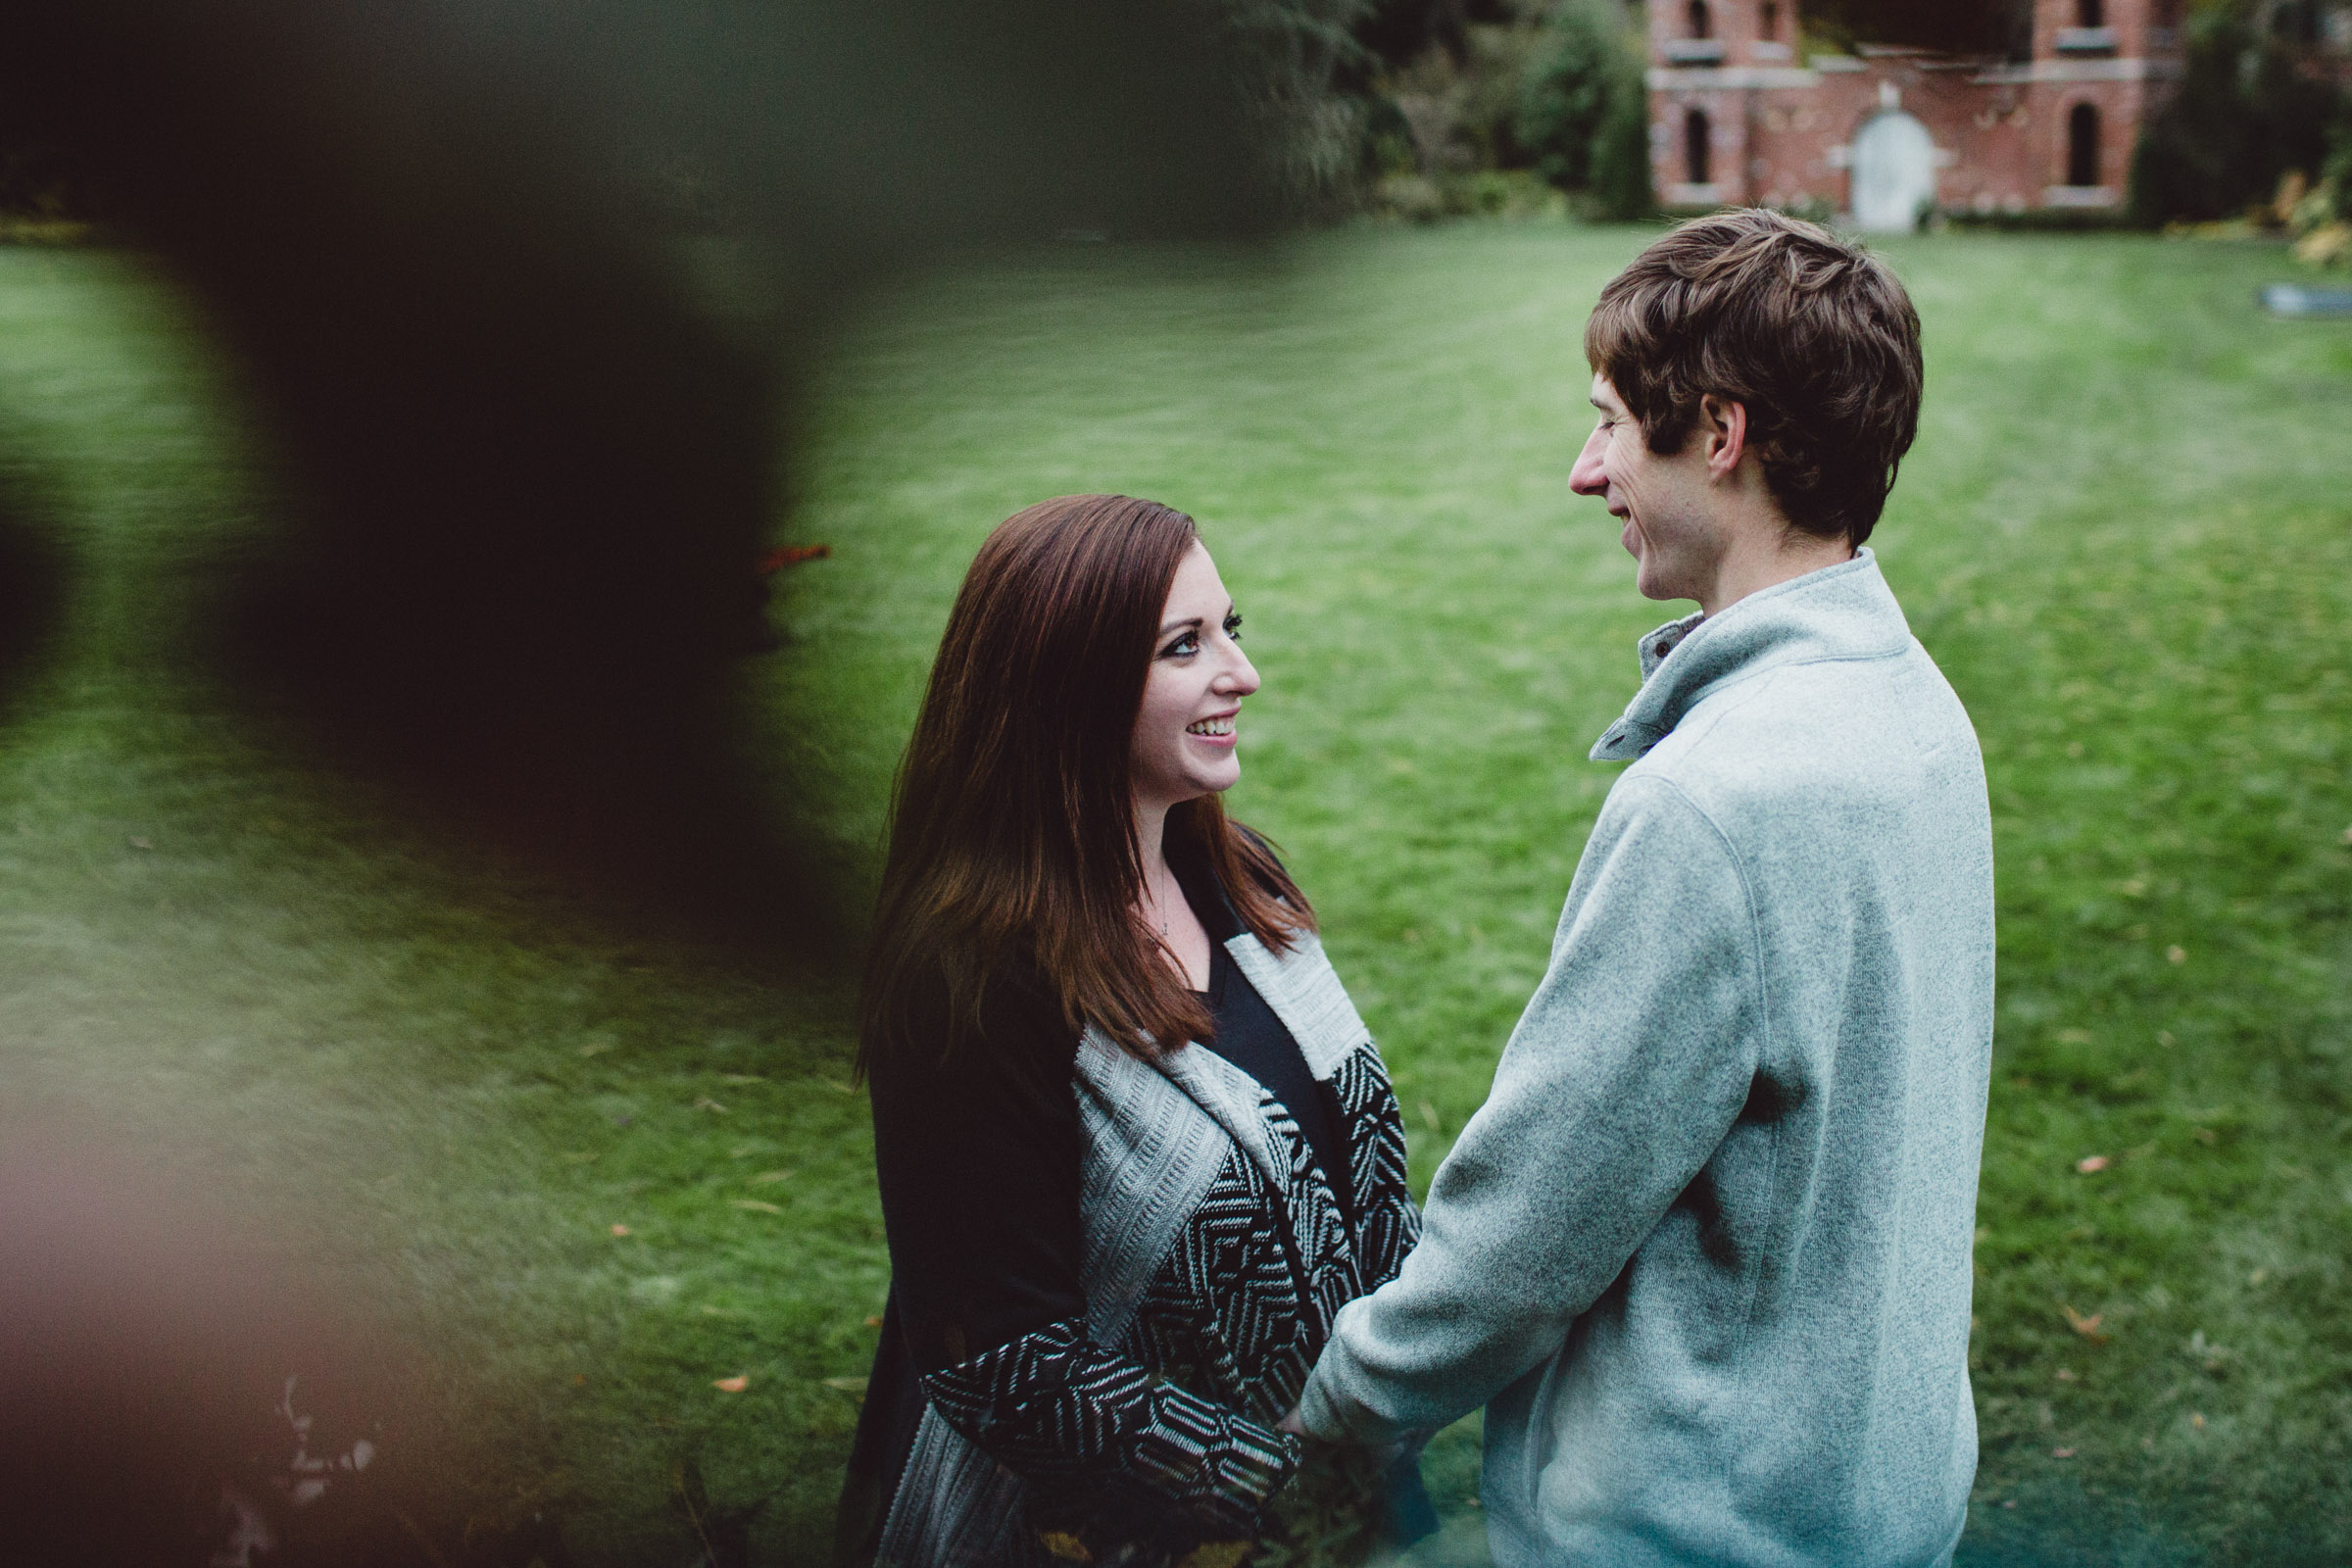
{"x":2248,"y":110}
{"x":1293,"y":57}
{"x":1584,"y":109}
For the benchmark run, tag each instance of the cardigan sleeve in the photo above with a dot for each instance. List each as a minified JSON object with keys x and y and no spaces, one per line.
{"x":980,"y":1160}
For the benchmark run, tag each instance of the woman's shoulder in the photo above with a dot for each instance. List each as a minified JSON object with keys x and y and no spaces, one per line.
{"x":1006,"y":1030}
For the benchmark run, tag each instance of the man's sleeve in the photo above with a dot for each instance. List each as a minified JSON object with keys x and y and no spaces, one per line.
{"x":1627,"y":1069}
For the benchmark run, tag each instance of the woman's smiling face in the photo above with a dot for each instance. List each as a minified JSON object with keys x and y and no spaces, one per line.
{"x":1185,"y":732}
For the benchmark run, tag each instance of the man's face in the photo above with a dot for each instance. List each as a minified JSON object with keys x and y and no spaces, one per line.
{"x":1667,"y":505}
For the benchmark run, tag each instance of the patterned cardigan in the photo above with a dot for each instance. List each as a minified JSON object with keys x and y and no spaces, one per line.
{"x":1213,"y":1260}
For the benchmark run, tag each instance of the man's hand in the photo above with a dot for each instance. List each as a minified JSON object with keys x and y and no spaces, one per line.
{"x":1385,"y":1454}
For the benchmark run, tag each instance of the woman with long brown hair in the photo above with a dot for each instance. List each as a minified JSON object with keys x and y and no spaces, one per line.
{"x":1136,"y":1146}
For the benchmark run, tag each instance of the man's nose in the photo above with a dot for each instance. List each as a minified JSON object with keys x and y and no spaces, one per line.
{"x":1591,"y":475}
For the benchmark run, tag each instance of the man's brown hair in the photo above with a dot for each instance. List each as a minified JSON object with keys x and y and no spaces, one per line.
{"x":1811,"y":334}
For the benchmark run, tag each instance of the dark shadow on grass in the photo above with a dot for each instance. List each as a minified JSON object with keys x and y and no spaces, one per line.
{"x":34,"y":579}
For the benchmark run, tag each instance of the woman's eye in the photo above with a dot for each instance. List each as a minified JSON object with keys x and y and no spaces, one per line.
{"x":1233,"y":627}
{"x":1189,"y":643}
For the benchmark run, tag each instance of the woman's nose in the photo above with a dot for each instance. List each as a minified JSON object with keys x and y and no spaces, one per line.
{"x":1241,"y":676}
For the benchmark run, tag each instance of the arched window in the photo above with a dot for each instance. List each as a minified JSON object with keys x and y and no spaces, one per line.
{"x":2089,"y":14}
{"x":1770,"y":27}
{"x":1701,"y":25}
{"x":1695,"y":133}
{"x":2083,"y":145}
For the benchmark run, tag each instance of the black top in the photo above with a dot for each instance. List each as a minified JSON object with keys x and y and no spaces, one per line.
{"x":979,"y":1163}
{"x":1254,"y":1039}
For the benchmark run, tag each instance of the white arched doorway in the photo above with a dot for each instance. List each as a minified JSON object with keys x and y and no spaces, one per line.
{"x":1894,"y":173}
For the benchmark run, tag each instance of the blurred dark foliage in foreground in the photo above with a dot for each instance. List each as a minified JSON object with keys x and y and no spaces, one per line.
{"x":531,"y":473}
{"x":171,"y":1393}
{"x":532,"y":470}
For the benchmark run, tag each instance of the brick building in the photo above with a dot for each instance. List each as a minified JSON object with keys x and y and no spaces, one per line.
{"x":1885,"y":134}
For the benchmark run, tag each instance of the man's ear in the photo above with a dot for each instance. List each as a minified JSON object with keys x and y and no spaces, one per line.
{"x":1723,"y":426}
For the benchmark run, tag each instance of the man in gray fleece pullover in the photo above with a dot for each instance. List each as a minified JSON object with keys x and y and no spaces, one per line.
{"x":1704,"y":1253}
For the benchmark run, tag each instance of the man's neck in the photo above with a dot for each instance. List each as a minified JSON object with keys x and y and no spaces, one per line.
{"x":1771,"y":559}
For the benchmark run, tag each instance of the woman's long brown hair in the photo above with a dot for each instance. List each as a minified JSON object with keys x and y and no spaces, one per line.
{"x":1012,"y":841}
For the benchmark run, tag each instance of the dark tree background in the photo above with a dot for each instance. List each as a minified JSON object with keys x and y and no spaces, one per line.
{"x":1397,"y":30}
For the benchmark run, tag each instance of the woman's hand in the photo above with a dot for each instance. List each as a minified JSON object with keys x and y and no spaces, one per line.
{"x":1292,"y":1424}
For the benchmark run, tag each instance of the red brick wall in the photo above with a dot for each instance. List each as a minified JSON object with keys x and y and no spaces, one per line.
{"x":1779,"y":132}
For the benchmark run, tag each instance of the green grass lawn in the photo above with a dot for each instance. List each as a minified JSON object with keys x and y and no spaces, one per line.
{"x":2125,"y":533}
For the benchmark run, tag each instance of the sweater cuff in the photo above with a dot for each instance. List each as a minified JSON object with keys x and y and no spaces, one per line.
{"x":1330,"y":1412}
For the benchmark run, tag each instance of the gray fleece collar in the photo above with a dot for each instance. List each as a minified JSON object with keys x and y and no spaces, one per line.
{"x":1840,"y":612}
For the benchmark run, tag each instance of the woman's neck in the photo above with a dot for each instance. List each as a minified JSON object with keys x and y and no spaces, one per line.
{"x":1164,"y":904}
{"x":1150,"y":842}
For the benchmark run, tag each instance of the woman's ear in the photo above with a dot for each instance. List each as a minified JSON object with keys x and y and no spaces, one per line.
{"x":1723,"y":426}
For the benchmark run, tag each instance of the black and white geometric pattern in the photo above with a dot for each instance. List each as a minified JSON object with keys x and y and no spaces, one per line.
{"x":1383,"y":1195}
{"x":1148,"y":1431}
{"x":1110,"y":1452}
{"x":1231,"y":1321}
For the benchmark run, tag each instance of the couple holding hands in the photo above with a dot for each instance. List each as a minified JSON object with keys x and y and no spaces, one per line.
{"x":1158,"y":1283}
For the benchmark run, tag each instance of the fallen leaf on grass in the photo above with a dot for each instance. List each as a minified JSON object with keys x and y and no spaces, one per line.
{"x":769,"y":1177}
{"x":2063,"y":1453}
{"x":2091,"y":1162}
{"x":734,"y":1384}
{"x":141,"y":844}
{"x":2196,"y":1418}
{"x":710,"y":1105}
{"x":756,"y":1206}
{"x":596,"y":1047}
{"x":2087,"y":1327}
{"x":2066,"y":1374}
{"x":783,"y":555}
{"x":2175,"y":955}
{"x":873,"y":1322}
{"x":620,"y":1230}
{"x":847,"y":1384}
